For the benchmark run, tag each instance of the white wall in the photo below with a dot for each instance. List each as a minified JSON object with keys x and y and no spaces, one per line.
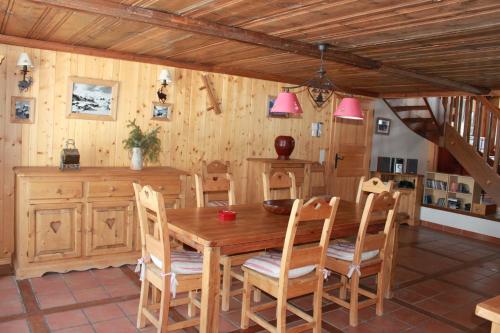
{"x":401,"y":141}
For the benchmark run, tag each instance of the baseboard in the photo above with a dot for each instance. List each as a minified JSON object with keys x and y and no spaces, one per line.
{"x":460,"y":232}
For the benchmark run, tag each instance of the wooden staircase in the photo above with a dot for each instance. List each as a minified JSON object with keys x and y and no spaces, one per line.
{"x":417,"y":116}
{"x":469,"y":130}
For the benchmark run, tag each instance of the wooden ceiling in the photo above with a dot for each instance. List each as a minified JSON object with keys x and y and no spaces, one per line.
{"x":377,"y":47}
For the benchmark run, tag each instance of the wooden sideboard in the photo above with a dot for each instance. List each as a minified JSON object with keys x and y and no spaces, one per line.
{"x":256,"y":166}
{"x":76,"y":220}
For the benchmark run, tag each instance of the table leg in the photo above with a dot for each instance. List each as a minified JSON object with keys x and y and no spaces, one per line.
{"x":390,"y":265}
{"x":210,"y":291}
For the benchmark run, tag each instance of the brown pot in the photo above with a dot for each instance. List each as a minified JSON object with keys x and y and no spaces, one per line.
{"x":284,"y":146}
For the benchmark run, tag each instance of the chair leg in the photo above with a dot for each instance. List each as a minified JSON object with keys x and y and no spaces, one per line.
{"x":226,"y":283}
{"x":164,"y":309}
{"x":281,"y":315}
{"x":245,"y":305}
{"x":343,"y":288}
{"x":143,"y":302}
{"x":380,"y":294}
{"x":317,"y":308}
{"x":191,"y":306}
{"x":353,"y":311}
{"x":257,"y":295}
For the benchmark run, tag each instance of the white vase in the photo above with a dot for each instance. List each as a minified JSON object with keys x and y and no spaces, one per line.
{"x":136,"y":160}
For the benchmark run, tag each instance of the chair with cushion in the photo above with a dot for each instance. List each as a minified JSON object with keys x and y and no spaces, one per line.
{"x":295,"y":272}
{"x":279,"y":180}
{"x":372,"y":185}
{"x":164,"y":272}
{"x":369,"y":255}
{"x":215,"y":181}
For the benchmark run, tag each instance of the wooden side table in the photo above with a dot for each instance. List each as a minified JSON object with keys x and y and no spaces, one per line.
{"x":490,"y":310}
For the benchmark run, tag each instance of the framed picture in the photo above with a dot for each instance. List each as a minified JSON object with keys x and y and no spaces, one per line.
{"x":161,"y":111}
{"x":270,"y":103}
{"x":383,"y":126}
{"x":22,"y":110}
{"x":92,"y":99}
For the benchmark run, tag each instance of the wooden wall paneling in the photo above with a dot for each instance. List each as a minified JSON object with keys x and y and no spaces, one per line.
{"x":4,"y":120}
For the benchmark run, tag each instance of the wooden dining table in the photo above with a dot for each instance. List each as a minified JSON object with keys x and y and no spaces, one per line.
{"x":254,"y":229}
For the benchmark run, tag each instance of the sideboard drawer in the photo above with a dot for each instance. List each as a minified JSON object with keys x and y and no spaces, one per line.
{"x":167,"y":186}
{"x":112,"y":188}
{"x":55,"y":190}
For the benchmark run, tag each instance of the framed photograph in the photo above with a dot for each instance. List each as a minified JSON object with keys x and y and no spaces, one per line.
{"x":92,"y":99}
{"x":162,"y":111}
{"x":22,"y":110}
{"x":383,"y":126}
{"x":269,"y":105}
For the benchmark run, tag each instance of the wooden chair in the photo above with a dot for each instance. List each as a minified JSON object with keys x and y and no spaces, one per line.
{"x":318,"y":180}
{"x":163,"y":271}
{"x":372,"y":185}
{"x":216,"y":183}
{"x":369,"y":255}
{"x":296,"y":272}
{"x":279,"y":180}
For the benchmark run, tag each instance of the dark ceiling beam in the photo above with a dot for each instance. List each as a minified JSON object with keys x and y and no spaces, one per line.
{"x":95,"y":52}
{"x":198,"y":26}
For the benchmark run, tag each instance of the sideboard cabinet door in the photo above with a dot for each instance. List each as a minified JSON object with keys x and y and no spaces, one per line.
{"x":109,"y":227}
{"x":54,"y":231}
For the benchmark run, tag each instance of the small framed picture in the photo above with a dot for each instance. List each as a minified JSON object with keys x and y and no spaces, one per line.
{"x":92,"y":99}
{"x":162,"y":111}
{"x":383,"y":126}
{"x":22,"y":110}
{"x":270,"y":103}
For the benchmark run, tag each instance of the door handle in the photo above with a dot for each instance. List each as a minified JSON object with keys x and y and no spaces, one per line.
{"x":338,"y":158}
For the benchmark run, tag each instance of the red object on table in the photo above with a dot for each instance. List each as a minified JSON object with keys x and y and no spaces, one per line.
{"x":227,"y":215}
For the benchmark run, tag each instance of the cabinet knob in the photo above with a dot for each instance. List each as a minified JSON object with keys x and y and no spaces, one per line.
{"x":161,"y":188}
{"x":112,"y":188}
{"x":59,"y":191}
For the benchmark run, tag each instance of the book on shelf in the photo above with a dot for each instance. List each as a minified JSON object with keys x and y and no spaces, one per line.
{"x":436,"y":184}
{"x":441,"y":202}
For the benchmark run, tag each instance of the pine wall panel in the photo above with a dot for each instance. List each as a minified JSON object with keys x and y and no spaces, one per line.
{"x":193,"y":135}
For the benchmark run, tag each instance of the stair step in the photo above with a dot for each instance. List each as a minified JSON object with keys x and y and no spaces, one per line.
{"x":409,"y":108}
{"x":416,"y":120}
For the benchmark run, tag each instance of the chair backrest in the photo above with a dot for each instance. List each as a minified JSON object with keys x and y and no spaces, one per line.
{"x":215,"y":168}
{"x":377,"y":206}
{"x":372,"y":185}
{"x":318,"y":179}
{"x":279,"y":180}
{"x":153,"y":224}
{"x":294,"y":257}
{"x":214,"y":184}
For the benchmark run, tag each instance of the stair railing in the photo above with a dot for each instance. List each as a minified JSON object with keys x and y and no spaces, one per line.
{"x":477,"y":120}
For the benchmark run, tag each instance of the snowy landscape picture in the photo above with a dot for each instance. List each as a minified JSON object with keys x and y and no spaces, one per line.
{"x":92,"y":99}
{"x":162,"y":111}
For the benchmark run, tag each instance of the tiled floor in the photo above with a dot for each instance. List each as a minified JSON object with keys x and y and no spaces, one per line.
{"x":439,"y":280}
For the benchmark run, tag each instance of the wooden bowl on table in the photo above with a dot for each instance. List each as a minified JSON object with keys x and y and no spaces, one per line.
{"x":279,"y":206}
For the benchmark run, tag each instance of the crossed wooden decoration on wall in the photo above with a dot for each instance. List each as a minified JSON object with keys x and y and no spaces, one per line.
{"x":215,"y":104}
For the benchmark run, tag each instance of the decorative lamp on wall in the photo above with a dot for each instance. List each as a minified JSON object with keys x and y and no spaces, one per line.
{"x":24,"y":62}
{"x":165,"y":79}
{"x":349,"y":108}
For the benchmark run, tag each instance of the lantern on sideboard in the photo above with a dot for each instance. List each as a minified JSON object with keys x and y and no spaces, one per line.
{"x":70,"y":156}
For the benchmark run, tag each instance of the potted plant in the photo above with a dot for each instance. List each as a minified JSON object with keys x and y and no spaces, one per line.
{"x":144,"y":146}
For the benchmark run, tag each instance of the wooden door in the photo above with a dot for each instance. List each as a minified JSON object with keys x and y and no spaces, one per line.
{"x":54,"y":231}
{"x":350,"y":152}
{"x":109,"y":227}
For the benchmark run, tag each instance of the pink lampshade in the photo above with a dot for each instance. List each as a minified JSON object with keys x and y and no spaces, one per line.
{"x":349,"y":108}
{"x":286,"y":102}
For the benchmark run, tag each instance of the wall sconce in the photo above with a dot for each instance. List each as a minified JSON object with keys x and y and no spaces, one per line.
{"x":24,"y":62}
{"x":165,"y":79}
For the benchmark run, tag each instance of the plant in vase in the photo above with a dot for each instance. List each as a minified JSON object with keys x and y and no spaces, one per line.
{"x":144,"y":146}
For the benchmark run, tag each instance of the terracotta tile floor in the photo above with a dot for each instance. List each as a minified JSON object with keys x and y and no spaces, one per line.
{"x":439,"y":280}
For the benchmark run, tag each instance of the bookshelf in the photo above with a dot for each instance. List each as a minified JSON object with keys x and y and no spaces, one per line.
{"x":450,"y":191}
{"x":409,"y":201}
